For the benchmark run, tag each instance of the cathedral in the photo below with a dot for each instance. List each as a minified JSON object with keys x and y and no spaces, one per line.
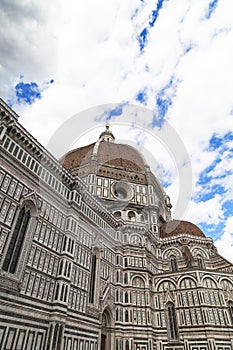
{"x":90,"y":258}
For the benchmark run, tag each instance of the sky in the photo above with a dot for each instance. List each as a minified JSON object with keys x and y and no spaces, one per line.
{"x":173,"y":58}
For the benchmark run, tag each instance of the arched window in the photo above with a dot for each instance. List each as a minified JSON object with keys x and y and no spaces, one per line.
{"x":126,"y":297}
{"x":166,"y":285}
{"x":138,"y":282}
{"x":126,"y":316}
{"x":131,"y":216}
{"x":60,"y":337}
{"x":55,"y":336}
{"x":117,"y":214}
{"x":209,"y":283}
{"x":230,"y":308}
{"x":62,"y":292}
{"x":171,"y":321}
{"x":226,"y":284}
{"x":117,"y":276}
{"x":200,"y":261}
{"x":92,"y":279}
{"x":57,"y":292}
{"x":16,"y":242}
{"x":104,"y":320}
{"x":61,"y":267}
{"x":126,"y":345}
{"x":105,"y":330}
{"x":126,"y":278}
{"x":173,"y":263}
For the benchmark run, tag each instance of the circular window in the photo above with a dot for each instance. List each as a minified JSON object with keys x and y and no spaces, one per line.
{"x":122,"y":190}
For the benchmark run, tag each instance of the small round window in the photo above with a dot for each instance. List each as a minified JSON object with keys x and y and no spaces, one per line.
{"x":122,"y":190}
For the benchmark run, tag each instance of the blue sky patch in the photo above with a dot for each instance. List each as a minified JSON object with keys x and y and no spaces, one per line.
{"x":210,"y":183}
{"x":143,"y":36}
{"x":227,"y":207}
{"x":158,"y":120}
{"x":205,"y":175}
{"x":217,"y":141}
{"x":27,"y":92}
{"x":209,"y":191}
{"x":116,"y":112}
{"x":142,"y":97}
{"x":211,"y":230}
{"x":155,"y":13}
{"x":164,"y":101}
{"x":142,"y":39}
{"x":212,"y":7}
{"x":213,"y":183}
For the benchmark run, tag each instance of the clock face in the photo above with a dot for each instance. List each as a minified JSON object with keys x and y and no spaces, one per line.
{"x":122,"y":190}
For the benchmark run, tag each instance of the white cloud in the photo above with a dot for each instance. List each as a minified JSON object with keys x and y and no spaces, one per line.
{"x":91,"y":51}
{"x":209,"y":212}
{"x":225,"y":243}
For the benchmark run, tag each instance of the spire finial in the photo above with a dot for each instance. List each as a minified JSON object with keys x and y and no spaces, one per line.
{"x":107,"y":135}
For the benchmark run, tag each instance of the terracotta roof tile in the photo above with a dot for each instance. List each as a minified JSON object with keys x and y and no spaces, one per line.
{"x":176,"y":227}
{"x":118,"y":155}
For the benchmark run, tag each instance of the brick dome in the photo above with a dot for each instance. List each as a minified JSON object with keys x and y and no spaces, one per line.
{"x":109,"y":159}
{"x":177,"y":227}
{"x":118,"y":155}
{"x":106,"y":152}
{"x":76,"y":157}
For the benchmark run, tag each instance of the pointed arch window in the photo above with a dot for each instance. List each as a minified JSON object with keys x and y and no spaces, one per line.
{"x":16,"y":242}
{"x":172,"y":327}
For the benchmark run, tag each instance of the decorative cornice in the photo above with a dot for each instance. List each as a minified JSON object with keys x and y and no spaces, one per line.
{"x":5,"y":106}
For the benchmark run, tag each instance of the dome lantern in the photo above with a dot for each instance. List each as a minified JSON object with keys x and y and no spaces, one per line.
{"x":107,"y":135}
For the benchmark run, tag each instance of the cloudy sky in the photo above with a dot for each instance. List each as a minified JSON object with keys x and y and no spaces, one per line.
{"x":173,"y":58}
